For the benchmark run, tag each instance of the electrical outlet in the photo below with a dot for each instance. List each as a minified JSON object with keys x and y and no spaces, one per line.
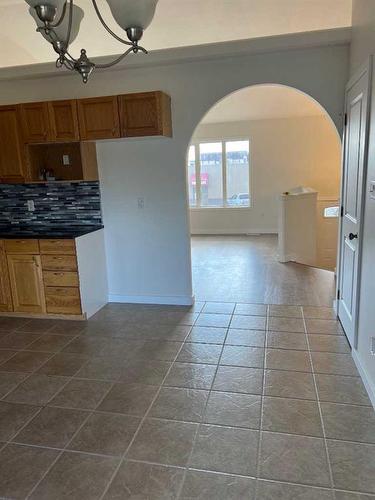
{"x":66,"y":160}
{"x":372,"y":348}
{"x":30,"y":206}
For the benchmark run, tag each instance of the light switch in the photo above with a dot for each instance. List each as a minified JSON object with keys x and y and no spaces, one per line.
{"x":30,"y":206}
{"x":66,"y":160}
{"x":372,"y":189}
{"x":141,"y":203}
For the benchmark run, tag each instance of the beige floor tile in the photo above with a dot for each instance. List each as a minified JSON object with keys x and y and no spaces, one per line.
{"x":37,"y":325}
{"x":328,"y":343}
{"x":235,"y":410}
{"x":105,"y":434}
{"x":251,"y":309}
{"x":289,"y":384}
{"x":11,"y":324}
{"x":344,"y":495}
{"x":89,"y":346}
{"x":250,"y":338}
{"x":63,"y":364}
{"x":6,"y":354}
{"x":76,"y":476}
{"x":8,"y":381}
{"x":334,"y":363}
{"x":50,"y":343}
{"x":279,"y":324}
{"x":37,"y":389}
{"x":292,"y":416}
{"x":151,"y":372}
{"x":341,"y":389}
{"x":130,"y":399}
{"x":219,"y":320}
{"x":238,"y":379}
{"x":21,"y":467}
{"x":286,"y":340}
{"x":145,"y":481}
{"x":180,"y":404}
{"x":219,"y":307}
{"x":325,"y":326}
{"x":18,"y":340}
{"x":200,"y":353}
{"x":296,"y":459}
{"x":286,"y":311}
{"x":311,"y":312}
{"x":350,"y":423}
{"x":251,"y":357}
{"x":192,"y":375}
{"x":353,"y":465}
{"x":162,"y":351}
{"x":283,"y":359}
{"x":207,"y":335}
{"x":226,"y":449}
{"x":248,"y":322}
{"x":84,"y":394}
{"x":213,"y":486}
{"x":164,"y":442}
{"x":13,"y":417}
{"x":52,"y":427}
{"x":268,"y":490}
{"x":25,"y":361}
{"x":101,"y":368}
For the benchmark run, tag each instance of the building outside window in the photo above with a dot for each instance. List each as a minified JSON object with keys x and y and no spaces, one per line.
{"x":219,"y":174}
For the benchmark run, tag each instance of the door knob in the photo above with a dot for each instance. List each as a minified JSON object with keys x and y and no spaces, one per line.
{"x":352,"y":236}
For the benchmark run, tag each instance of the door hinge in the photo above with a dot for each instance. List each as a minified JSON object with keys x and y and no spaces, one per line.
{"x":342,"y":211}
{"x":338,"y":294}
{"x":346,"y":119}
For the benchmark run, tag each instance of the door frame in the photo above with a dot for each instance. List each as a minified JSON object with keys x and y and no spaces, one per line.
{"x":367,"y":67}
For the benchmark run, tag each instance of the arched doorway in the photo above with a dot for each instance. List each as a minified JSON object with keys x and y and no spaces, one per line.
{"x":249,"y":148}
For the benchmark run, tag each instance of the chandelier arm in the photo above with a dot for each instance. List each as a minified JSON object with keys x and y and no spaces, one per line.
{"x":106,"y":25}
{"x":109,"y":65}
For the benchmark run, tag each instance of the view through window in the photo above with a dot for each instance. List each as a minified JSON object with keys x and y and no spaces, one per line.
{"x":219,"y":174}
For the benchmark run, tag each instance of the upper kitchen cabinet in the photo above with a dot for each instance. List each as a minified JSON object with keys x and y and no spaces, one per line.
{"x":99,"y":118}
{"x":36,"y":122}
{"x":145,"y":114}
{"x":64,"y":121}
{"x":12,"y":157}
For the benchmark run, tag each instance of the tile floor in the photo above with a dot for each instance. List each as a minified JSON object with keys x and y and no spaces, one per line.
{"x":222,"y":401}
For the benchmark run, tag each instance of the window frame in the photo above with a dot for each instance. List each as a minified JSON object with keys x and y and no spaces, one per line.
{"x":225,"y":205}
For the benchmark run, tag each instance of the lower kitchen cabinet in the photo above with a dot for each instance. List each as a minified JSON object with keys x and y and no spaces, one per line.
{"x":6,"y":303}
{"x":60,"y":277}
{"x":26,"y":280}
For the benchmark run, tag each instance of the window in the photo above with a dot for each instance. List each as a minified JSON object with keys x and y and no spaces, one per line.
{"x":219,"y":174}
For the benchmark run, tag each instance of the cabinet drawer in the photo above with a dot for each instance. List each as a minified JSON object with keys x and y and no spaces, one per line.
{"x":64,"y":247}
{"x":22,"y":246}
{"x":63,"y":300}
{"x":59,"y":263}
{"x":60,"y":278}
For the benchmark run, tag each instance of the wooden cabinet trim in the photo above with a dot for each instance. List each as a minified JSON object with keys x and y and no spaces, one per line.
{"x":27,"y":246}
{"x":6,"y":302}
{"x":57,"y":247}
{"x":42,"y":112}
{"x":98,"y":131}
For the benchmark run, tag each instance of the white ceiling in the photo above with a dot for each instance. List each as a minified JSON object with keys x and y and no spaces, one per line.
{"x":177,"y":23}
{"x":263,"y":102}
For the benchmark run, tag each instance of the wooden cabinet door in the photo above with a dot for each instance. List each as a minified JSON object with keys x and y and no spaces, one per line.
{"x":12,"y":158}
{"x":145,"y":114}
{"x":35,"y":122}
{"x":5,"y":293}
{"x":98,"y":118}
{"x":64,"y":121}
{"x":26,"y":281}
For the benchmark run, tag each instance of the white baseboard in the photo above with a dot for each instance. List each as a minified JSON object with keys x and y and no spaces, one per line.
{"x":152,"y":299}
{"x":369,"y":385}
{"x":218,"y":232}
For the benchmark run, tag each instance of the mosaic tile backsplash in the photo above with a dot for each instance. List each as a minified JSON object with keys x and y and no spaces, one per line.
{"x":63,"y":205}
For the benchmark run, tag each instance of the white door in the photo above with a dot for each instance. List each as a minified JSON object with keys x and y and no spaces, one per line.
{"x":354,"y":170}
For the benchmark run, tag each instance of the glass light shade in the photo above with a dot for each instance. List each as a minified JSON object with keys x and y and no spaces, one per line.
{"x":59,"y":4}
{"x":133,"y":13}
{"x":62,"y":30}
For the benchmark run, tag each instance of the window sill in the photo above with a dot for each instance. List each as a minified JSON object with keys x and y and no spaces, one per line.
{"x":194,"y":209}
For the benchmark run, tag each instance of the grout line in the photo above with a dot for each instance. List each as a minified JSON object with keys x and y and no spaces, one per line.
{"x":187,"y":468}
{"x":124,"y":455}
{"x":261,"y":408}
{"x":319,"y":406}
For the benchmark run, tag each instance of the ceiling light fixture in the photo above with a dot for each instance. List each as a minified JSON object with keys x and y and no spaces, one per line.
{"x":59,"y":21}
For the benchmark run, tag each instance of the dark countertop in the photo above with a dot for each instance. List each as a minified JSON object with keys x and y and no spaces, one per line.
{"x":69,"y":233}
